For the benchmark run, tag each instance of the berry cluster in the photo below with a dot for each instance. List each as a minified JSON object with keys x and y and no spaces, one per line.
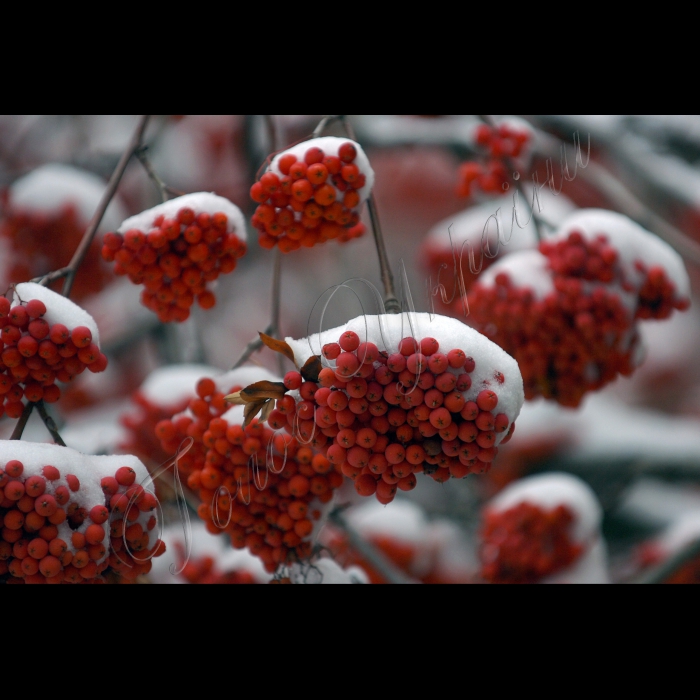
{"x":311,"y":193}
{"x":176,"y":249}
{"x":44,"y":220}
{"x":526,"y":543}
{"x":264,"y":489}
{"x":37,"y":349}
{"x":383,"y":418}
{"x":203,"y":569}
{"x":505,"y":140}
{"x":57,"y":527}
{"x":568,"y":313}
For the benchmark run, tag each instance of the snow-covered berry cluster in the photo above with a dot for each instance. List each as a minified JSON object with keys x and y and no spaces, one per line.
{"x":73,"y":518}
{"x":44,"y":338}
{"x":311,"y":193}
{"x":543,"y":528}
{"x":44,"y":219}
{"x":176,"y":249}
{"x":392,"y":406}
{"x":509,"y":139}
{"x":568,"y":313}
{"x":262,"y":488}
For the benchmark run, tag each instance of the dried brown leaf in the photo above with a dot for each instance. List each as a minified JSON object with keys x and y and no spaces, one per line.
{"x":311,"y":368}
{"x":251,"y":410}
{"x":263,"y":390}
{"x":267,"y":410}
{"x":236,"y":399}
{"x":278,"y":346}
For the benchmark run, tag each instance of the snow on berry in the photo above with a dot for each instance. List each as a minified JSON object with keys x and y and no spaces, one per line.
{"x":44,"y":219}
{"x":70,"y":517}
{"x":176,"y":249}
{"x":490,"y":227}
{"x":544,"y":529}
{"x":312,"y":193}
{"x":165,"y":392}
{"x":44,"y":337}
{"x":438,"y":401}
{"x":568,"y":312}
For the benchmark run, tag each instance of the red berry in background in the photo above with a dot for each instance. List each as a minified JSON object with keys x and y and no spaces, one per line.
{"x":177,"y":248}
{"x":319,"y":196}
{"x":44,"y":218}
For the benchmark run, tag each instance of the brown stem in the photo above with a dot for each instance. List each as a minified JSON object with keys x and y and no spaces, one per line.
{"x":391,"y":303}
{"x":321,"y":126}
{"x":70,"y":270}
{"x":49,"y":423}
{"x":368,"y":552}
{"x":252,"y":346}
{"x":22,"y":422}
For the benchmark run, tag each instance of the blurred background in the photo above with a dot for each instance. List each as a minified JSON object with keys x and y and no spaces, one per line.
{"x":636,"y":443}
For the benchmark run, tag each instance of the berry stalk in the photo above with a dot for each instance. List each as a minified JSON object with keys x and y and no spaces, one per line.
{"x":391,"y":303}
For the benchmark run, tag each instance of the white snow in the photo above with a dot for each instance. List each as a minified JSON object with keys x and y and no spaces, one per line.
{"x":495,"y":216}
{"x":387,"y":330}
{"x":174,"y":383}
{"x":58,"y":308}
{"x":330,"y":145}
{"x":50,"y":187}
{"x":681,"y":533}
{"x":199,"y":202}
{"x":526,"y":269}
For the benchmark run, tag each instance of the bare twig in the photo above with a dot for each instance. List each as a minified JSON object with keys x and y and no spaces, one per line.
{"x":22,"y":422}
{"x":70,"y":270}
{"x":391,"y":303}
{"x":166,"y":192}
{"x":368,"y":552}
{"x":169,"y":481}
{"x":489,"y":120}
{"x":49,"y":423}
{"x":252,"y":346}
{"x":321,"y":126}
{"x":666,"y":569}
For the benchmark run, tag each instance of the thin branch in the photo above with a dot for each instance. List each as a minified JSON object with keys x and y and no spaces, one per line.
{"x":70,"y":270}
{"x":391,"y":303}
{"x":252,"y":346}
{"x":22,"y":422}
{"x":368,"y":552}
{"x":666,"y":569}
{"x":169,"y":481}
{"x":166,"y":192}
{"x":49,"y":423}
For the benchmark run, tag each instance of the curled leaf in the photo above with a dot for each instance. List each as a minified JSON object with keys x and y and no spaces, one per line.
{"x":311,"y":368}
{"x":267,"y":410}
{"x":263,"y":390}
{"x":251,"y":410}
{"x":236,"y":399}
{"x":278,"y":346}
